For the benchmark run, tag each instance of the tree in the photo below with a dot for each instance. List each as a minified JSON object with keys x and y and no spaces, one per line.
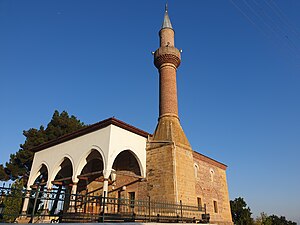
{"x":241,"y":214}
{"x":275,"y":220}
{"x":3,"y":175}
{"x":264,"y":219}
{"x":19,"y":164}
{"x":13,"y":202}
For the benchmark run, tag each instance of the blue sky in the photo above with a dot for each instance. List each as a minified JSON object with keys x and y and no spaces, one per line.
{"x":238,"y":83}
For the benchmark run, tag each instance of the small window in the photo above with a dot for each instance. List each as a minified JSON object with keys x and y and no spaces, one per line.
{"x":212,"y":174}
{"x":215,"y":206}
{"x":196,"y":168}
{"x":199,"y":201}
{"x":131,"y":199}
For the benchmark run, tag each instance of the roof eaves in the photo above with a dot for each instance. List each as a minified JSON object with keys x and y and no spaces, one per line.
{"x":89,"y":129}
{"x":211,"y":160}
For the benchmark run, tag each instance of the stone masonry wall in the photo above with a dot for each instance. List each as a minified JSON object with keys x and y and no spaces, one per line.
{"x":185,"y":176}
{"x":160,"y":173}
{"x":211,"y":185}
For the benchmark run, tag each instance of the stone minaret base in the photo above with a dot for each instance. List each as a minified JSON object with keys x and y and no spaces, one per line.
{"x":170,"y":170}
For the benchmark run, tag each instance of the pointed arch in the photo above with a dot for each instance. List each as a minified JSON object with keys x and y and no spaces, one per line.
{"x":83,"y":159}
{"x":42,"y":168}
{"x":129,"y":161}
{"x":58,"y":166}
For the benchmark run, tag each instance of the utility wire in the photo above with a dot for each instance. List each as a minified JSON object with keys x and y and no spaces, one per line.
{"x":272,"y":23}
{"x":281,"y":15}
{"x":246,"y":16}
{"x":279,"y":31}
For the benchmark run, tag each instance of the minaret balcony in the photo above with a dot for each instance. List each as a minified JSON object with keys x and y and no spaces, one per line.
{"x":167,"y":54}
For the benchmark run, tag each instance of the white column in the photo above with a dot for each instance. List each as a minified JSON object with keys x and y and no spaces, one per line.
{"x":74,"y":188}
{"x":73,"y":198}
{"x":106,"y":174}
{"x":27,"y":195}
{"x":46,"y":202}
{"x":72,"y":206}
{"x":26,"y":201}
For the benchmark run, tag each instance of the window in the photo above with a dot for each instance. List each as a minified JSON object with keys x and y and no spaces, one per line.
{"x":196,"y":168}
{"x":131,"y":199}
{"x":199,"y":201}
{"x":212,"y":174}
{"x":215,"y":206}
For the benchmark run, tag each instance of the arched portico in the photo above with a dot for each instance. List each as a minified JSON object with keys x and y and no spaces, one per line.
{"x":84,"y":163}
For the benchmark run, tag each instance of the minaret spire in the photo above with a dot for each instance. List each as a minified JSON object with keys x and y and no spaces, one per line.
{"x":167,"y":21}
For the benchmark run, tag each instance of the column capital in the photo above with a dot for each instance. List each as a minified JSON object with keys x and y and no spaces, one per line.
{"x":106,"y":174}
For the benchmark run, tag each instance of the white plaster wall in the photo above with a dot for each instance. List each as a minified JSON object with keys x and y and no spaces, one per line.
{"x":125,"y":140}
{"x":109,"y":141}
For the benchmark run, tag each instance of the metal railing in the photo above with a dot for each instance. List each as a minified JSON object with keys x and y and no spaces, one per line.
{"x":59,"y":205}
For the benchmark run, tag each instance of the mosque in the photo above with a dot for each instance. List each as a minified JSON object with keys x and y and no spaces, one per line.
{"x":113,"y":158}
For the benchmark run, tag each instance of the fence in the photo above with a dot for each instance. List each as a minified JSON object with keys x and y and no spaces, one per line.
{"x":58,"y":205}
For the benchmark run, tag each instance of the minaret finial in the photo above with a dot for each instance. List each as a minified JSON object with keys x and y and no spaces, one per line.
{"x":167,"y":22}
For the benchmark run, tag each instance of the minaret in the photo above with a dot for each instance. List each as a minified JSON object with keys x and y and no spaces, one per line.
{"x":170,"y":165}
{"x":167,"y":59}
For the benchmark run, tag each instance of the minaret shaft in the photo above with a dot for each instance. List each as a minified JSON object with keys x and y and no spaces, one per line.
{"x":166,"y":36}
{"x":167,"y":59}
{"x":168,"y":103}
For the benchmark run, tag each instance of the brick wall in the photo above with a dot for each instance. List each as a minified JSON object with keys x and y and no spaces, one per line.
{"x":211,"y":185}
